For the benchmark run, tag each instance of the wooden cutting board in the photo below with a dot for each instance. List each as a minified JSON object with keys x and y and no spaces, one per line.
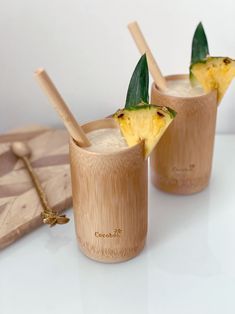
{"x":20,"y":207}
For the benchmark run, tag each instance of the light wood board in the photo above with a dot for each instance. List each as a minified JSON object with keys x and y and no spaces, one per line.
{"x":20,"y":207}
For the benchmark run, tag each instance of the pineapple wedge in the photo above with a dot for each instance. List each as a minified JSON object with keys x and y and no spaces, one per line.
{"x":144,"y":122}
{"x":213,"y":73}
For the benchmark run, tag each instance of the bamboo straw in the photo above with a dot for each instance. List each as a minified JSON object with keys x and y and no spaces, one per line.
{"x":74,"y":129}
{"x":144,"y":48}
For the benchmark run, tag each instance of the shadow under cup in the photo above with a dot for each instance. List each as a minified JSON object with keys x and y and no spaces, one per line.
{"x":181,"y":162}
{"x":109,"y":199}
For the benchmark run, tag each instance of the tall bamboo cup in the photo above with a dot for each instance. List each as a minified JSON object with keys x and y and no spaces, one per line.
{"x":109,"y":199}
{"x":182,"y":161}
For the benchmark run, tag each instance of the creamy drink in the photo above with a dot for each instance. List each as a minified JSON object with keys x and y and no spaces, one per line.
{"x":183,"y":88}
{"x":106,"y":140}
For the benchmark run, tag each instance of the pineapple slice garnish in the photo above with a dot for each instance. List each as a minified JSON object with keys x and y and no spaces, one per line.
{"x":144,"y":122}
{"x":213,"y":73}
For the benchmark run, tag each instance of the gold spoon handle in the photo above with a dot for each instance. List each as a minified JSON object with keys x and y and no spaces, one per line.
{"x":36,"y":183}
{"x":49,"y":216}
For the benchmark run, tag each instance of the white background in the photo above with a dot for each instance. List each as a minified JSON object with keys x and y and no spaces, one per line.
{"x":88,"y":51}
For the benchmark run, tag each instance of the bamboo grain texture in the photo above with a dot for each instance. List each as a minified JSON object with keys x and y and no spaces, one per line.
{"x":20,"y":207}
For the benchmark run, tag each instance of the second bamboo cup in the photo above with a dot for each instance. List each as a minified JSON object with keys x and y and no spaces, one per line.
{"x":182,"y":161}
{"x":109,"y":199}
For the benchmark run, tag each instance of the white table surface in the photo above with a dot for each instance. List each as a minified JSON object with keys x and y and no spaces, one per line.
{"x":187,"y":266}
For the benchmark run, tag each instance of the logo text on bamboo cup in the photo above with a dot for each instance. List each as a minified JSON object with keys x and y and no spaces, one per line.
{"x":186,"y":169}
{"x":115,"y":234}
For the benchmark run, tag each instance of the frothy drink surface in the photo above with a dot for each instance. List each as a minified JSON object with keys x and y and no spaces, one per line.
{"x":106,"y":140}
{"x":183,"y":88}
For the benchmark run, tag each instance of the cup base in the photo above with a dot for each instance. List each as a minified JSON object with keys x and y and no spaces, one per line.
{"x":182,"y":186}
{"x":111,"y":256}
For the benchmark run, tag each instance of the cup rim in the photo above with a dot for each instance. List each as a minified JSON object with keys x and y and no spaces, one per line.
{"x":177,"y":77}
{"x":128,"y":149}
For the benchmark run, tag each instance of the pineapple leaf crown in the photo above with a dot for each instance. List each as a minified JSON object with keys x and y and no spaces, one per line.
{"x":200,"y":49}
{"x":138,"y":89}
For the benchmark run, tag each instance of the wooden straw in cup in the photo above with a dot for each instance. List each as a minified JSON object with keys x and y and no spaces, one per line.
{"x":144,"y":48}
{"x":74,"y":129}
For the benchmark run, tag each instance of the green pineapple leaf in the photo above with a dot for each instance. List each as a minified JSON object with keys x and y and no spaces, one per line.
{"x":138,"y":89}
{"x":199,"y":45}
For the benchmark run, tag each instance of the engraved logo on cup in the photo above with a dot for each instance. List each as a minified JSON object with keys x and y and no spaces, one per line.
{"x":190,"y":168}
{"x":115,"y":234}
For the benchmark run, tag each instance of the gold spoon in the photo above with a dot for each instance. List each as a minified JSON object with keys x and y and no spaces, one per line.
{"x":49,"y":216}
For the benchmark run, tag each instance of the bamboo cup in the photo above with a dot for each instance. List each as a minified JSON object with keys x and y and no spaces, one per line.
{"x":182,"y":161}
{"x":109,"y":199}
